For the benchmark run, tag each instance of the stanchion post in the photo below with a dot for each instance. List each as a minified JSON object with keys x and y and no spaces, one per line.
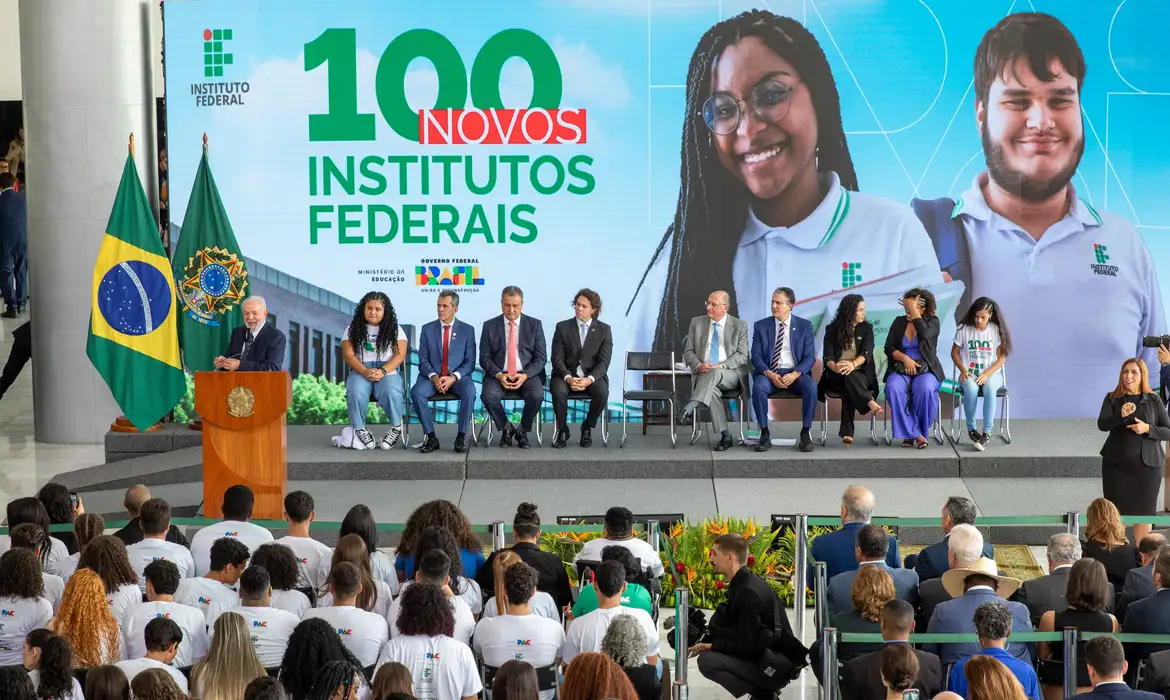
{"x":653,"y":534}
{"x":820,"y":595}
{"x":497,"y":528}
{"x":1070,"y":661}
{"x":829,"y":665}
{"x":1073,"y":521}
{"x":801,"y":574}
{"x":678,"y":691}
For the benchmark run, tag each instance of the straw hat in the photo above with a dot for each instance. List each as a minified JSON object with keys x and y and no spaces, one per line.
{"x":954,"y":579}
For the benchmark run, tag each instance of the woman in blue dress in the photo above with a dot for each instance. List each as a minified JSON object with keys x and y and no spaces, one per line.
{"x":913,"y":372}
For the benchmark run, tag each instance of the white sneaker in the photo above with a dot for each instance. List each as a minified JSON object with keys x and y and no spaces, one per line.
{"x":364,"y":441}
{"x":390,"y":439}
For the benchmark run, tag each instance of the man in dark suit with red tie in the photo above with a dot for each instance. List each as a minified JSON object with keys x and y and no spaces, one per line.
{"x":581,"y":350}
{"x":446,"y":360}
{"x":512,"y":356}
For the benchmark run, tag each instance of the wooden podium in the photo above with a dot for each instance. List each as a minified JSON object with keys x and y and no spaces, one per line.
{"x":244,"y":438}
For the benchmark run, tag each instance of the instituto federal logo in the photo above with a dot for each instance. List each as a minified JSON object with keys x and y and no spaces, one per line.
{"x":214,"y":281}
{"x":850,"y":274}
{"x":217,"y":57}
{"x":214,"y":56}
{"x":1101,"y":254}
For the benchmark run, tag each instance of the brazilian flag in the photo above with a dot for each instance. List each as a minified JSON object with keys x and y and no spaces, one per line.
{"x":133,"y":342}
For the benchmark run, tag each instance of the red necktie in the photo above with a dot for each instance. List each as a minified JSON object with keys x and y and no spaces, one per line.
{"x":446,"y":343}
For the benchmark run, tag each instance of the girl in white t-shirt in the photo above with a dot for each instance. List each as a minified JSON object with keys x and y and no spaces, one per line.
{"x":443,"y":668}
{"x":374,"y":347}
{"x":22,"y":608}
{"x":49,"y":661}
{"x":982,"y":344}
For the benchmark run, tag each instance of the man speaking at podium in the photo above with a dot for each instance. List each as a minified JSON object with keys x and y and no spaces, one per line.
{"x":255,"y":346}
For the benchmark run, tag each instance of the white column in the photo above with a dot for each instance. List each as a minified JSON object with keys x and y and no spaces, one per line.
{"x":87,"y":84}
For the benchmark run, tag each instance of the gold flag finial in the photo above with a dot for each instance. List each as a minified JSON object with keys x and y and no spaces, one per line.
{"x":131,"y":143}
{"x":204,"y":141}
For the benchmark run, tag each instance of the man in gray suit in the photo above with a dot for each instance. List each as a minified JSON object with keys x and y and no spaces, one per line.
{"x":717,"y":355}
{"x":1048,"y":592}
{"x":872,"y":545}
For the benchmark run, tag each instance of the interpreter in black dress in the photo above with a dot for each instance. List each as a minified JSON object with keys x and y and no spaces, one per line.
{"x":1132,"y":456}
{"x":849,"y":369}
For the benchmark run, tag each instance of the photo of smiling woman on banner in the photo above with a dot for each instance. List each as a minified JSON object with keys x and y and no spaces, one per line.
{"x":769,"y":195}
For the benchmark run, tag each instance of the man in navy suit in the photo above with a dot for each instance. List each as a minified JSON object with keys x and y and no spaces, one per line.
{"x":512,"y":356}
{"x":1107,"y":666}
{"x":1139,"y":582}
{"x":446,"y":360}
{"x":872,"y":546}
{"x":782,"y":358}
{"x":254,"y":346}
{"x":13,"y":246}
{"x":933,"y":561}
{"x":970,"y":587}
{"x":837,"y":549}
{"x":1150,"y":615}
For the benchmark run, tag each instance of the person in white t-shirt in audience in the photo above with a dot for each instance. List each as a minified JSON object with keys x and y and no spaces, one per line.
{"x":519,"y":634}
{"x":162,"y":580}
{"x":162,"y":637}
{"x":541,"y":604}
{"x":48,"y":658}
{"x":22,"y":605}
{"x":155,"y":517}
{"x":106,"y":556}
{"x":231,"y":661}
{"x":339,"y":680}
{"x":434,"y":567}
{"x":375,"y":596}
{"x":269,"y":626}
{"x":31,"y":510}
{"x":214,"y":592}
{"x":619,"y":529}
{"x":86,"y":527}
{"x":363,"y":633}
{"x":443,"y":539}
{"x":313,"y":644}
{"x":442,"y":667}
{"x":587,"y":632}
{"x":238,"y":502}
{"x":310,"y":554}
{"x":373,"y":345}
{"x":360,"y":521}
{"x":281,"y":565}
{"x":982,"y":344}
{"x":34,"y":539}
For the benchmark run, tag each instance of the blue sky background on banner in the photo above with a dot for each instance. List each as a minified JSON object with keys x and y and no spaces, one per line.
{"x":903,"y":68}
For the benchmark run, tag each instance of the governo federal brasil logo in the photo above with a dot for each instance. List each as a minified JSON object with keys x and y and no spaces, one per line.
{"x":218,"y":61}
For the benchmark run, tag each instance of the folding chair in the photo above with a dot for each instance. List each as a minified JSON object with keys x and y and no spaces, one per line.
{"x":512,"y":395}
{"x":437,"y":398}
{"x":935,"y":427}
{"x":740,"y":394}
{"x":643,"y":362}
{"x":830,"y":394}
{"x":573,"y":396}
{"x":546,"y":677}
{"x":1005,"y":426}
{"x":776,"y":393}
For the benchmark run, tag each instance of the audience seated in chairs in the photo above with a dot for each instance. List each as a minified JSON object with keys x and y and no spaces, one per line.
{"x":586,"y":632}
{"x":299,"y":512}
{"x":162,"y":637}
{"x":231,"y":662}
{"x":283,"y":574}
{"x":34,"y":539}
{"x":993,"y":625}
{"x":872,"y":545}
{"x":360,"y":521}
{"x":872,"y":589}
{"x":516,"y":680}
{"x":898,"y":669}
{"x":157,"y":684}
{"x":391,"y":679}
{"x":1087,"y":596}
{"x":636,"y":595}
{"x":21,"y":594}
{"x":1047,"y":593}
{"x":238,"y":502}
{"x":86,"y":527}
{"x":964,"y":548}
{"x":970,"y":587}
{"x":619,"y":529}
{"x":838,"y":549}
{"x":988,"y":679}
{"x":435,"y":568}
{"x":861,"y":678}
{"x":214,"y":592}
{"x":595,"y":676}
{"x":1105,"y":541}
{"x":271,"y":627}
{"x":86,"y":619}
{"x":313,"y":644}
{"x":162,"y":580}
{"x":365,"y":632}
{"x":1139,"y":581}
{"x":374,"y":595}
{"x":135,"y":496}
{"x":466,"y":588}
{"x":933,"y":561}
{"x":425,"y":625}
{"x":554,"y":580}
{"x":1150,"y":615}
{"x":49,"y":660}
{"x":625,"y":643}
{"x":1107,"y":668}
{"x":445,"y":515}
{"x":541,"y":603}
{"x":337,"y":679}
{"x":30,"y":510}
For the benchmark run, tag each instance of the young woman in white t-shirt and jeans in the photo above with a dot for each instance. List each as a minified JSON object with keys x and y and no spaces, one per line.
{"x":982,"y":344}
{"x":374,"y":347}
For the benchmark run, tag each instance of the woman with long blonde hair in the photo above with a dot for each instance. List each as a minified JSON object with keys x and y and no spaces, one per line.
{"x":989,"y":679}
{"x":870,"y":592}
{"x":1105,"y":541}
{"x":231,"y":662}
{"x":84,"y":618}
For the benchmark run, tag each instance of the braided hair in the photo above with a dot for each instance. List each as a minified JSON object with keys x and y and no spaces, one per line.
{"x":712,"y":206}
{"x":387,"y":329}
{"x":845,"y":321}
{"x":333,"y":676}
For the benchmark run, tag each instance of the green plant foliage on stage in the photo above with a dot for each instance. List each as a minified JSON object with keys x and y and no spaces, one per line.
{"x":316,"y":401}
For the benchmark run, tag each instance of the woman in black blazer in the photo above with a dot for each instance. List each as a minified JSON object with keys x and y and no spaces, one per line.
{"x":914,"y":373}
{"x":849,"y":370}
{"x":1132,"y":456}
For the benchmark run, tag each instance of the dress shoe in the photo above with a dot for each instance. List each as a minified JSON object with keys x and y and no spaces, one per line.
{"x":461,"y":442}
{"x":561,"y":439}
{"x":506,"y":435}
{"x":586,"y":437}
{"x":10,"y":312}
{"x":765,"y":442}
{"x":806,"y":443}
{"x":522,"y":440}
{"x":430,"y":444}
{"x":683,"y":417}
{"x":725,"y":442}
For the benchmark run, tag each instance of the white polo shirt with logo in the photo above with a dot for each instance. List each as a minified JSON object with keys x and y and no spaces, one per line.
{"x":269,"y":628}
{"x":18,"y":617}
{"x":250,"y":534}
{"x":363,"y":633}
{"x":1077,"y":302}
{"x":309,"y":553}
{"x":530,"y":638}
{"x":586,"y":632}
{"x":148,"y":550}
{"x":190,"y":620}
{"x":442,"y":668}
{"x":206,"y":595}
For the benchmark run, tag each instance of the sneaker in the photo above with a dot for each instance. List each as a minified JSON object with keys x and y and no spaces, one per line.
{"x":974,"y":435}
{"x":979,"y":441}
{"x":390,"y":439}
{"x":364,"y":441}
{"x":984,"y":441}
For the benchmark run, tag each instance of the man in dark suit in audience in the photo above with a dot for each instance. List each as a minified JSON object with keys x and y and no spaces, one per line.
{"x":872,"y":545}
{"x":964,"y":548}
{"x":1139,"y":582}
{"x":1107,"y":667}
{"x":512,"y":356}
{"x":135,"y":496}
{"x":970,"y":587}
{"x":1047,"y":592}
{"x":581,"y":351}
{"x":861,"y":678}
{"x":932,"y":562}
{"x":1150,"y":615}
{"x":254,"y":346}
{"x":838,"y":549}
{"x":1156,"y":678}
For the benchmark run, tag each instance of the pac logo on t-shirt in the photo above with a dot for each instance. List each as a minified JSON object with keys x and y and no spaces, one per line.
{"x":231,"y":534}
{"x":345,"y":632}
{"x":523,"y":642}
{"x":7,"y":613}
{"x":202,"y":601}
{"x":159,"y":559}
{"x":260,"y":623}
{"x":303,"y":560}
{"x":433,"y":655}
{"x":165,"y":616}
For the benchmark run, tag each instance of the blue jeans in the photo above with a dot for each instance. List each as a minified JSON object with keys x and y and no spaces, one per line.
{"x":971,"y":397}
{"x":388,"y":392}
{"x":14,"y":273}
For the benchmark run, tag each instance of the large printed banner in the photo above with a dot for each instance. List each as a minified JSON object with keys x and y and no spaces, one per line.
{"x":657,"y":150}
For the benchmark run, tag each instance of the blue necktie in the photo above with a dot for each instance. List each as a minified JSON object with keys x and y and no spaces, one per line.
{"x":714,"y":358}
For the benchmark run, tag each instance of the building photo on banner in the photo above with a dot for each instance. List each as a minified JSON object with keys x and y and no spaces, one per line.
{"x":656,"y":151}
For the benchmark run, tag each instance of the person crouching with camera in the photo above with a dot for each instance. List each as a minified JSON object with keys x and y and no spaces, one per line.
{"x":914,"y":373}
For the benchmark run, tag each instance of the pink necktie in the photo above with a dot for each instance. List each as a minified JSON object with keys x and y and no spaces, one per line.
{"x":513,"y":354}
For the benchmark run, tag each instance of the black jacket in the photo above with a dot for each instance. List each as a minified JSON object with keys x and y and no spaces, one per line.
{"x":553,"y":578}
{"x":132,"y":533}
{"x":862,"y":342}
{"x":1149,"y":616}
{"x":933,"y":561}
{"x":1048,"y":593}
{"x":1117,"y":561}
{"x":753,"y":619}
{"x":1139,"y":585}
{"x":1151,"y":410}
{"x":567,"y":352}
{"x":861,"y":678}
{"x":264,"y":355}
{"x":928,"y":329}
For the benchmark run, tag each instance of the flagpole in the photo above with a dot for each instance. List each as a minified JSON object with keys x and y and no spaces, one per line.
{"x":196,"y":423}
